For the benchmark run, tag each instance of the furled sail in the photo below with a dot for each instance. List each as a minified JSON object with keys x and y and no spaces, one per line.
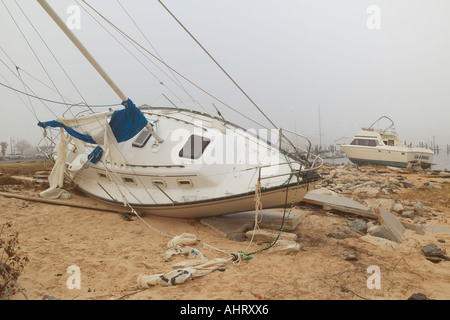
{"x":95,"y":129}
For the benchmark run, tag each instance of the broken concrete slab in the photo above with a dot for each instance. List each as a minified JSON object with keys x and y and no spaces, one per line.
{"x":342,"y":204}
{"x":390,"y":225}
{"x":245,"y":221}
{"x":380,"y":242}
{"x":437,"y":229}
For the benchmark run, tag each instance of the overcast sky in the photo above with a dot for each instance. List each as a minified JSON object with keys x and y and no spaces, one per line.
{"x":356,"y":59}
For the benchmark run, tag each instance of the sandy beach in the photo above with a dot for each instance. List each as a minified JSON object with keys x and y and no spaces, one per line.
{"x":111,"y":250}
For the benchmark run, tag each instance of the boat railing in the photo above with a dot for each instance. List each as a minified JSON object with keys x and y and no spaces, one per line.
{"x":299,"y":160}
{"x":288,"y":140}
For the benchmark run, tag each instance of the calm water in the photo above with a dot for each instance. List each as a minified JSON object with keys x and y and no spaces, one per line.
{"x":441,"y":161}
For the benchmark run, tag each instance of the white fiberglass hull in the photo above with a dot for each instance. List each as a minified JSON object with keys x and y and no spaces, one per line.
{"x":275,"y":198}
{"x":389,"y":156}
{"x":158,"y":179}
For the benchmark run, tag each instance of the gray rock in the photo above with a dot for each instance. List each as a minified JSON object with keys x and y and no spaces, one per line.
{"x":418,"y":296}
{"x":398,"y":208}
{"x":419,"y":208}
{"x":339,"y":235}
{"x":432,"y":250}
{"x":358,"y":225}
{"x":408,"y":214}
{"x":350,"y":256}
{"x":377,"y":231}
{"x":407,"y":184}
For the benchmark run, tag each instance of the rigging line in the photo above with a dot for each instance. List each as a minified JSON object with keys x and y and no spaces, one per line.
{"x":24,"y":87}
{"x":27,"y":87}
{"x":221,"y":68}
{"x":26,"y":40}
{"x":39,"y":59}
{"x":101,"y":124}
{"x":53,"y":55}
{"x":33,"y":77}
{"x":56,"y":102}
{"x":22,"y":100}
{"x":186,"y":79}
{"x":140,"y":62}
{"x":21,"y":80}
{"x":151,"y":45}
{"x":232,"y":80}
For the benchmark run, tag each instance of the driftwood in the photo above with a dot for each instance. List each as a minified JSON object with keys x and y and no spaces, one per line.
{"x":65,"y":203}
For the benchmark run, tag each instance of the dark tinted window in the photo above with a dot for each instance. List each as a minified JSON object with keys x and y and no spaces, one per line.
{"x":142,"y":138}
{"x":364,"y":142}
{"x":194,"y":147}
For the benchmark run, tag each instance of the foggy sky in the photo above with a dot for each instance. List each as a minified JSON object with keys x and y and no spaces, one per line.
{"x":289,"y":56}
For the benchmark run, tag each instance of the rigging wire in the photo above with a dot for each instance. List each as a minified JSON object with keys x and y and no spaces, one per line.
{"x":215,"y":61}
{"x":31,"y":48}
{"x":136,"y":58}
{"x":57,"y":102}
{"x":151,"y":45}
{"x":168,"y":66}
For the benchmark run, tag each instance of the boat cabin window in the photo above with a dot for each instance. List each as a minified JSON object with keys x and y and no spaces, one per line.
{"x":364,"y":142}
{"x":194,"y":147}
{"x":142,"y":139}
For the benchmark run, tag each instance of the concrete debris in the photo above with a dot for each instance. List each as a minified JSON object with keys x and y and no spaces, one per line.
{"x":262,"y":235}
{"x":377,"y":231}
{"x":341,"y":204}
{"x":398,"y":208}
{"x":437,"y":229}
{"x":408,"y":214}
{"x":242,"y":222}
{"x":358,"y":225}
{"x":392,"y":227}
{"x":419,"y":208}
{"x":285,"y":246}
{"x":380,"y":242}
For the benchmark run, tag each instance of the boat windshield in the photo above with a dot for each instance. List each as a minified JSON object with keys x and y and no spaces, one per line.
{"x":364,"y":142}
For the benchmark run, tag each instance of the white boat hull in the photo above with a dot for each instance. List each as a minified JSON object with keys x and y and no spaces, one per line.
{"x":397,"y":157}
{"x":275,"y":198}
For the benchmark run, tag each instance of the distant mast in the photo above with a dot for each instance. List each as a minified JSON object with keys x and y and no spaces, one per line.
{"x":320,"y":132}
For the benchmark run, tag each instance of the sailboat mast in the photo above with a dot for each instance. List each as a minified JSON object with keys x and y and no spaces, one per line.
{"x":82,"y":49}
{"x":90,"y":58}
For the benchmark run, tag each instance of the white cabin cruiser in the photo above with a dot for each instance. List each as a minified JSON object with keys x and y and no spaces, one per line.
{"x":384,"y":147}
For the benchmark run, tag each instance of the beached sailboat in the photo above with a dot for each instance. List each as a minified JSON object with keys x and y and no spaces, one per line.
{"x":175,"y":162}
{"x":384,"y":147}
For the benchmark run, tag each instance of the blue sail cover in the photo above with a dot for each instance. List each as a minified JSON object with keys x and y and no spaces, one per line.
{"x":125,"y":124}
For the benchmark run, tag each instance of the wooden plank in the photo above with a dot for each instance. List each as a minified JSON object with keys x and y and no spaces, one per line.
{"x":64,"y":203}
